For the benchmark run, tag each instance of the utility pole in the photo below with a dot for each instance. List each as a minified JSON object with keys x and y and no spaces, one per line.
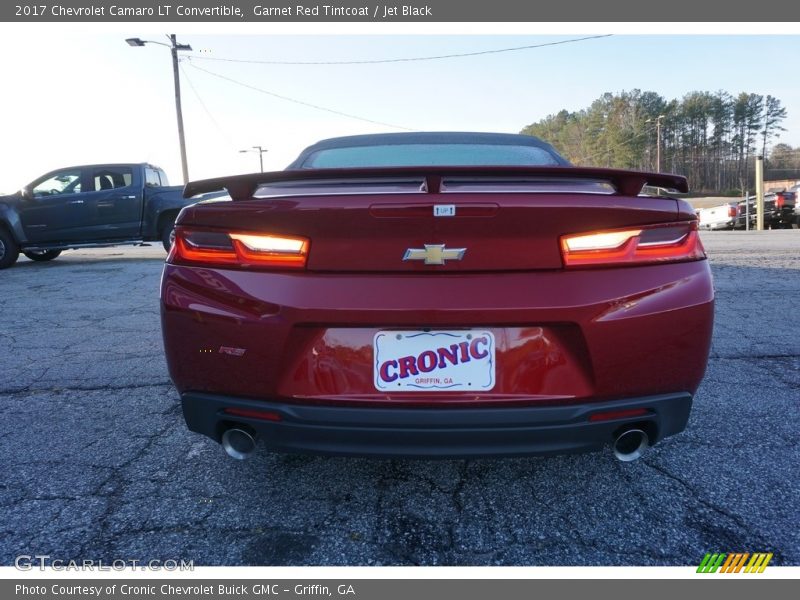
{"x":181,"y":138}
{"x":759,"y":193}
{"x":174,"y":47}
{"x":658,"y":140}
{"x":658,"y":143}
{"x":261,"y":150}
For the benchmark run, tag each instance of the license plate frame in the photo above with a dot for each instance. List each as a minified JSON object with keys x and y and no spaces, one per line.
{"x":434,"y":361}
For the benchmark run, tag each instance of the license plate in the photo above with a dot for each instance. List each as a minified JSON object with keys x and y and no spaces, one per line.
{"x":434,"y":361}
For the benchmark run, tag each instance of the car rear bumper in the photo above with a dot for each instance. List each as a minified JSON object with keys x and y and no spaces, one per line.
{"x":563,"y":337}
{"x":434,"y":432}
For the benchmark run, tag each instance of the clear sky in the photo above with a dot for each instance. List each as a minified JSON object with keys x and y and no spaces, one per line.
{"x":84,"y":96}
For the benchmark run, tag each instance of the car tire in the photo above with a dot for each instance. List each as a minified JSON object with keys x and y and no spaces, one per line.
{"x":41,"y":255}
{"x":9,"y":251}
{"x":167,"y":234}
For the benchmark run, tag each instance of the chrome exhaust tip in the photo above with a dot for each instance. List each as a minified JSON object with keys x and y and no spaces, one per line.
{"x":630,"y":445}
{"x":238,"y":443}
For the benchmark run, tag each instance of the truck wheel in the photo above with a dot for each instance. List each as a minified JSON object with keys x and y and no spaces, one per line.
{"x":168,"y":234}
{"x":41,"y":255}
{"x":9,"y":251}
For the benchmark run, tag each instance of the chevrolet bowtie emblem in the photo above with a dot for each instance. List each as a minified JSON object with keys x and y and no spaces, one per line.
{"x":434,"y":254}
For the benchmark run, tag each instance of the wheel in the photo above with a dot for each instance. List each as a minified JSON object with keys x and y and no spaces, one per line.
{"x":168,"y":234}
{"x":9,"y":251}
{"x":41,"y":255}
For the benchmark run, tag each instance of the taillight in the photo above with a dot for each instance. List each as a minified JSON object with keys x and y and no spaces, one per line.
{"x":669,"y":242}
{"x":780,"y":201}
{"x":732,"y":211}
{"x":252,"y":250}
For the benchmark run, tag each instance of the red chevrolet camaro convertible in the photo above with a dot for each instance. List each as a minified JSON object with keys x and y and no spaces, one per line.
{"x":437,"y":294}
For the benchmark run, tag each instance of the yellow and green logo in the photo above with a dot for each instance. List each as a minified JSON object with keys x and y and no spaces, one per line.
{"x":735,"y":562}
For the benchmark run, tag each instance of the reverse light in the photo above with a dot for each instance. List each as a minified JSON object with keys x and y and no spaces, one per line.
{"x":669,"y":242}
{"x":254,"y":250}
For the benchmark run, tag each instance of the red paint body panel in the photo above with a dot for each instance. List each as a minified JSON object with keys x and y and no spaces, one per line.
{"x":562,"y":336}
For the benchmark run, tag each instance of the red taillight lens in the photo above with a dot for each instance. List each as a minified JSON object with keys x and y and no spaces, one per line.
{"x":669,"y":242}
{"x":732,"y":211}
{"x":780,"y":201}
{"x":254,"y":250}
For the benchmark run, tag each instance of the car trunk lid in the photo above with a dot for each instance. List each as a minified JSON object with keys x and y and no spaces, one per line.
{"x":434,"y":220}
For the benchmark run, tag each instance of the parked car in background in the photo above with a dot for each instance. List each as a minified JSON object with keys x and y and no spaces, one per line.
{"x":796,"y":190}
{"x":437,"y":294}
{"x":779,"y":211}
{"x":88,"y":206}
{"x":717,"y":217}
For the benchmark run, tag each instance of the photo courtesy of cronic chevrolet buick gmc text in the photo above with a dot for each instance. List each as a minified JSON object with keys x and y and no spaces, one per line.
{"x":437,"y":294}
{"x":88,"y":206}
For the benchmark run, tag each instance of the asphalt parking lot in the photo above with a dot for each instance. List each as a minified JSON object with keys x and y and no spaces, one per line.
{"x":97,"y":462}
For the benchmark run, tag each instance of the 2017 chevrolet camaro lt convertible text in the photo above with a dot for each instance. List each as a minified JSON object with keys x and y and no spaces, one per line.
{"x":437,"y":294}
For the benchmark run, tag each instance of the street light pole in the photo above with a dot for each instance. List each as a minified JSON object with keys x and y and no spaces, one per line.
{"x":261,"y":150}
{"x":174,"y":47}
{"x":760,"y":193}
{"x":658,"y":143}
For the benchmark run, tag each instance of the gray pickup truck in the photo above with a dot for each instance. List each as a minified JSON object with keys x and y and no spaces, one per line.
{"x":88,"y":206}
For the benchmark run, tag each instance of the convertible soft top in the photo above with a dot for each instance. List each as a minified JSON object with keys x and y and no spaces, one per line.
{"x":429,"y":138}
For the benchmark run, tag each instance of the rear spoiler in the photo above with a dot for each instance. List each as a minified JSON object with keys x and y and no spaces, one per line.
{"x":626,"y":183}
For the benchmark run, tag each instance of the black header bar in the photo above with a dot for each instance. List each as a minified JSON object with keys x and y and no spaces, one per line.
{"x":411,"y":11}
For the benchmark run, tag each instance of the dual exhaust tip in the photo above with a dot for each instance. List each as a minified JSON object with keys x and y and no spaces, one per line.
{"x":239,"y":443}
{"x":628,"y":446}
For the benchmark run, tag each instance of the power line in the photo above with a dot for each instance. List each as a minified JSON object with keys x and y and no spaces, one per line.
{"x":300,"y":102}
{"x":404,"y":59}
{"x":205,"y":108}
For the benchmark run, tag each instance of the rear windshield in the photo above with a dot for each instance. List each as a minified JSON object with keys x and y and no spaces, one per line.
{"x":419,"y":155}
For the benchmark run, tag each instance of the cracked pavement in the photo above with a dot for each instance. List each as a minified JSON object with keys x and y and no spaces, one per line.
{"x":97,"y":462}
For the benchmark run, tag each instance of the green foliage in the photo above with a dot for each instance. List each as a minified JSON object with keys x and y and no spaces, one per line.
{"x":712,"y":138}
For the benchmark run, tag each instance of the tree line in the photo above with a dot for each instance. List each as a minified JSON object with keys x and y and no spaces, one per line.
{"x":783,"y":163}
{"x":711,"y":138}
